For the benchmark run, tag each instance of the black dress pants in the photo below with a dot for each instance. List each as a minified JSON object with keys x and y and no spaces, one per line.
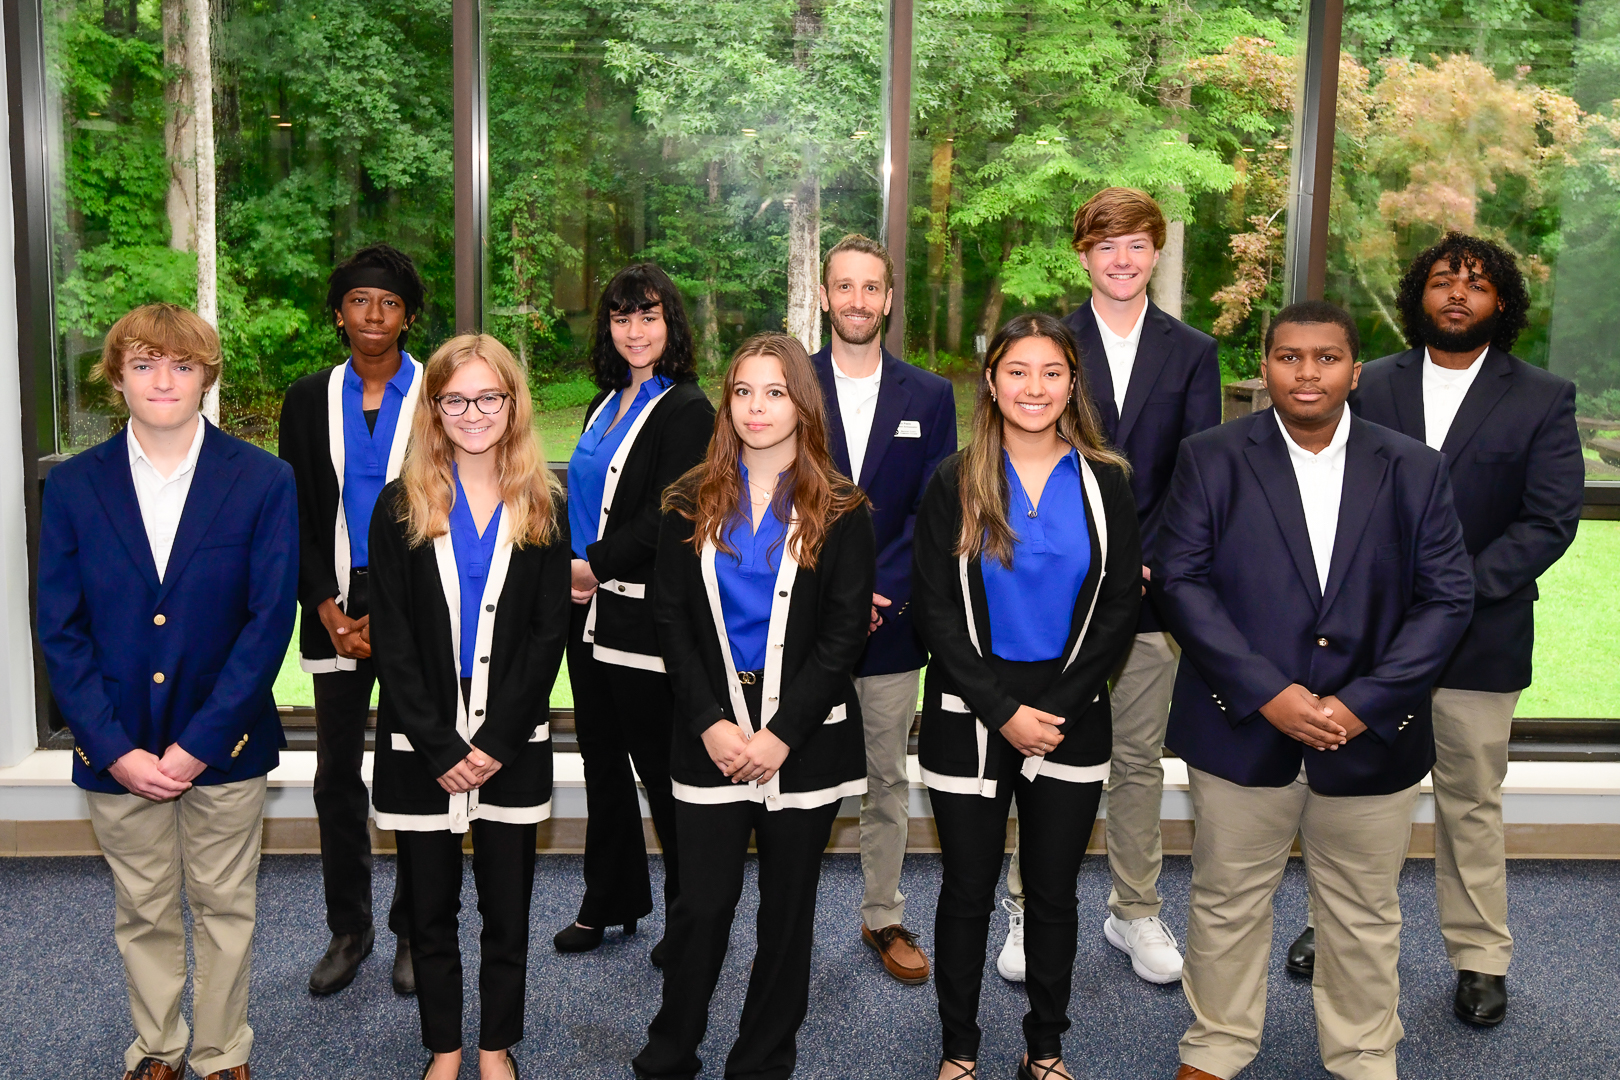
{"x":342,"y":803}
{"x":1055,"y":819}
{"x":503,"y":872}
{"x":621,"y":714}
{"x":714,"y":844}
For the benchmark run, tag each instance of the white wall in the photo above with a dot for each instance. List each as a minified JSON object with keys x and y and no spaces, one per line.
{"x":17,"y":731}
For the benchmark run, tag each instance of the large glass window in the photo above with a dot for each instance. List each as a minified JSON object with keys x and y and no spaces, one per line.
{"x":1022,"y":111}
{"x":730,"y":142}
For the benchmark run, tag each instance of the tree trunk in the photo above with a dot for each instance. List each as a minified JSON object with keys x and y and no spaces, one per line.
{"x":200,"y":72}
{"x":179,"y":131}
{"x":939,"y":208}
{"x":990,"y":318}
{"x":1166,"y":285}
{"x":953,"y":301}
{"x":711,"y":294}
{"x":804,"y":264}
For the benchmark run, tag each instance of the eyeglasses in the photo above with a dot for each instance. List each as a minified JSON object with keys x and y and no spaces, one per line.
{"x":456,"y":405}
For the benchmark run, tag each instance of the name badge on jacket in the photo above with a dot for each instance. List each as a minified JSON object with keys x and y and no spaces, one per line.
{"x":908,"y":429}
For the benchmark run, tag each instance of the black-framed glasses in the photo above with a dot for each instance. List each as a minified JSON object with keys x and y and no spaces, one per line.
{"x":456,"y":405}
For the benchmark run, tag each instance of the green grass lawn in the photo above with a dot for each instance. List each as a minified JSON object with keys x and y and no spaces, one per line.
{"x":1576,"y":655}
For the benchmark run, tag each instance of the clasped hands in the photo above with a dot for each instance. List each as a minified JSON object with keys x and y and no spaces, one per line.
{"x":350,"y":637}
{"x":744,"y":758}
{"x":472,"y":771}
{"x":145,"y":774}
{"x":1322,"y":723}
{"x":1032,"y":731}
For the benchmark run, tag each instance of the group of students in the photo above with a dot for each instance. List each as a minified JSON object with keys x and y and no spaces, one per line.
{"x":746,"y":596}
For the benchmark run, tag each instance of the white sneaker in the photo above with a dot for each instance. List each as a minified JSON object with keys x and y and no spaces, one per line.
{"x":1011,"y":961}
{"x":1150,"y":945}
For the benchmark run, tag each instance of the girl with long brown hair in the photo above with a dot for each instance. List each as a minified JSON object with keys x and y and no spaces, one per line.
{"x":1027,"y":582}
{"x":469,"y":569}
{"x":765,"y":569}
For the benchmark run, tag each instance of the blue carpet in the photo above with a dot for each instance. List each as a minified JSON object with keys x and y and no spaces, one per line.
{"x":64,"y":1011}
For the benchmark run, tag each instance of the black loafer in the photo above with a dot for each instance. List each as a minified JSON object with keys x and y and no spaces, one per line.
{"x":660,"y":953}
{"x":1481,"y":999}
{"x":341,"y":963}
{"x":575,"y":938}
{"x":404,"y":972}
{"x":1302,"y":955}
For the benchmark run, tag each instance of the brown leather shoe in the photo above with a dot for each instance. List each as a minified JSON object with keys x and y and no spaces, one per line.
{"x":1187,"y":1072}
{"x":151,"y":1069}
{"x":235,"y":1072}
{"x":898,"y":948}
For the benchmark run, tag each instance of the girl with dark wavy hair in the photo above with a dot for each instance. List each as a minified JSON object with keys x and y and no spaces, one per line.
{"x":765,"y":566}
{"x":649,"y":424}
{"x":1027,"y":580}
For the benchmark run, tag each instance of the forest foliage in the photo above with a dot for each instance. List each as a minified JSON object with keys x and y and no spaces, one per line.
{"x":733,"y":141}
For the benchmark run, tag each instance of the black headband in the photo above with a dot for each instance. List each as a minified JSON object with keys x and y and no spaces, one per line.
{"x":370,"y":277}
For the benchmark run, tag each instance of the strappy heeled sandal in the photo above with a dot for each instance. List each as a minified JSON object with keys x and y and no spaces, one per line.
{"x":969,"y":1073}
{"x":1055,"y":1071}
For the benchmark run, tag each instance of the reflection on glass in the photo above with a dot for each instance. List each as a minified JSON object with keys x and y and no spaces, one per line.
{"x":1021,"y":111}
{"x":722,"y":140}
{"x":1503,"y":125}
{"x":332,"y":130}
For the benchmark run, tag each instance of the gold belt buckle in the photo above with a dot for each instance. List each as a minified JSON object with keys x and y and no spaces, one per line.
{"x":747,"y":678}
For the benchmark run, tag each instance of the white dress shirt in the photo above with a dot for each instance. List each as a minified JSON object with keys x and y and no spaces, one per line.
{"x":857,"y":402}
{"x":1443,"y":393}
{"x":1321,"y":484}
{"x":162,"y":498}
{"x":1121,"y":353}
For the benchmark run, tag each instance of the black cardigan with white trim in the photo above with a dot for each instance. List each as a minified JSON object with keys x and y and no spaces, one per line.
{"x":818,"y":626}
{"x":964,"y":703}
{"x":669,"y":437}
{"x":311,"y":441}
{"x":423,"y":726}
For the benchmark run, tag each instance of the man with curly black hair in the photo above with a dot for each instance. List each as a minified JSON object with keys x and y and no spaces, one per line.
{"x":344,"y":430}
{"x":1507,"y":430}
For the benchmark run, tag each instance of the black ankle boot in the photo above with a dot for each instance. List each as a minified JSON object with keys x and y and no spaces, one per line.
{"x":575,"y":938}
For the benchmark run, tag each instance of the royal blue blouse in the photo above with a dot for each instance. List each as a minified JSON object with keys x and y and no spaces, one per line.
{"x":1032,"y":603}
{"x":474,"y":554}
{"x":365,"y":451}
{"x":747,"y":580}
{"x":588,"y":467}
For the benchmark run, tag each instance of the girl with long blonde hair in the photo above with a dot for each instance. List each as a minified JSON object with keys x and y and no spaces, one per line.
{"x":1027,"y":583}
{"x":469,"y":569}
{"x":765,"y":568}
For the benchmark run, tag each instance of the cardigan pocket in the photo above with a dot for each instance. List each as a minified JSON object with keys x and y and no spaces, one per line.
{"x":398,"y":741}
{"x":839,"y":714}
{"x":630,"y":589}
{"x":542,"y":732}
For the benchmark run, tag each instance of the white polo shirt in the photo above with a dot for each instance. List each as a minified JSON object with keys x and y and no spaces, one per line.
{"x":162,"y":498}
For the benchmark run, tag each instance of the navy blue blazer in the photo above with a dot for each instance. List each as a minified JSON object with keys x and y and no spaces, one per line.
{"x":1174,"y":392}
{"x":1519,"y":480}
{"x":894,"y":475}
{"x":1236,"y":583}
{"x":216,"y":628}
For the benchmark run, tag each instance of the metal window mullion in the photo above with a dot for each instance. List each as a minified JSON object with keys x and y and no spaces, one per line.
{"x":471,"y":162}
{"x":897,"y":161}
{"x":1311,"y":181}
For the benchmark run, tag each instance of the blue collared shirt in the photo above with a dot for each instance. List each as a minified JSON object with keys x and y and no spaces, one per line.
{"x":474,"y":554}
{"x":365,"y":451}
{"x":747,"y":580}
{"x":588,"y":468}
{"x":1032,"y":604}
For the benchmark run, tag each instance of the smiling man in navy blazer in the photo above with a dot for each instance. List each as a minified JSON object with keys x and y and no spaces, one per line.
{"x":1513,"y":452}
{"x":890,"y":425}
{"x":1312,"y":567}
{"x":168,"y":574}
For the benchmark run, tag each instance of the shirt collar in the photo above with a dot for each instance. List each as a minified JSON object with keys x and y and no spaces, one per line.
{"x":400,"y":381}
{"x":1453,"y":373}
{"x":1111,"y":338}
{"x":138,"y":453}
{"x":1334,"y":448}
{"x":655,"y":385}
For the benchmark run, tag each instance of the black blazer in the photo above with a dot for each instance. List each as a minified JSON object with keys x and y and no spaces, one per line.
{"x":305,"y":443}
{"x":1236,"y":583}
{"x":1519,"y":480}
{"x":423,"y":726}
{"x":1175,"y":391}
{"x":964,"y":703}
{"x":819,"y":620}
{"x":894,"y":475}
{"x":674,"y":438}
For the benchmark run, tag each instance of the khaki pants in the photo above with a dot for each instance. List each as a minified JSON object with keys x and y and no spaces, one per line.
{"x":1140,"y":697}
{"x":888,"y":706}
{"x":1471,"y":730}
{"x":1354,"y":848}
{"x":206,"y":841}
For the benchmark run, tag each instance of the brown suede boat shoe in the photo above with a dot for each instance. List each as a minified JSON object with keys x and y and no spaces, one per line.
{"x":901,"y":956}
